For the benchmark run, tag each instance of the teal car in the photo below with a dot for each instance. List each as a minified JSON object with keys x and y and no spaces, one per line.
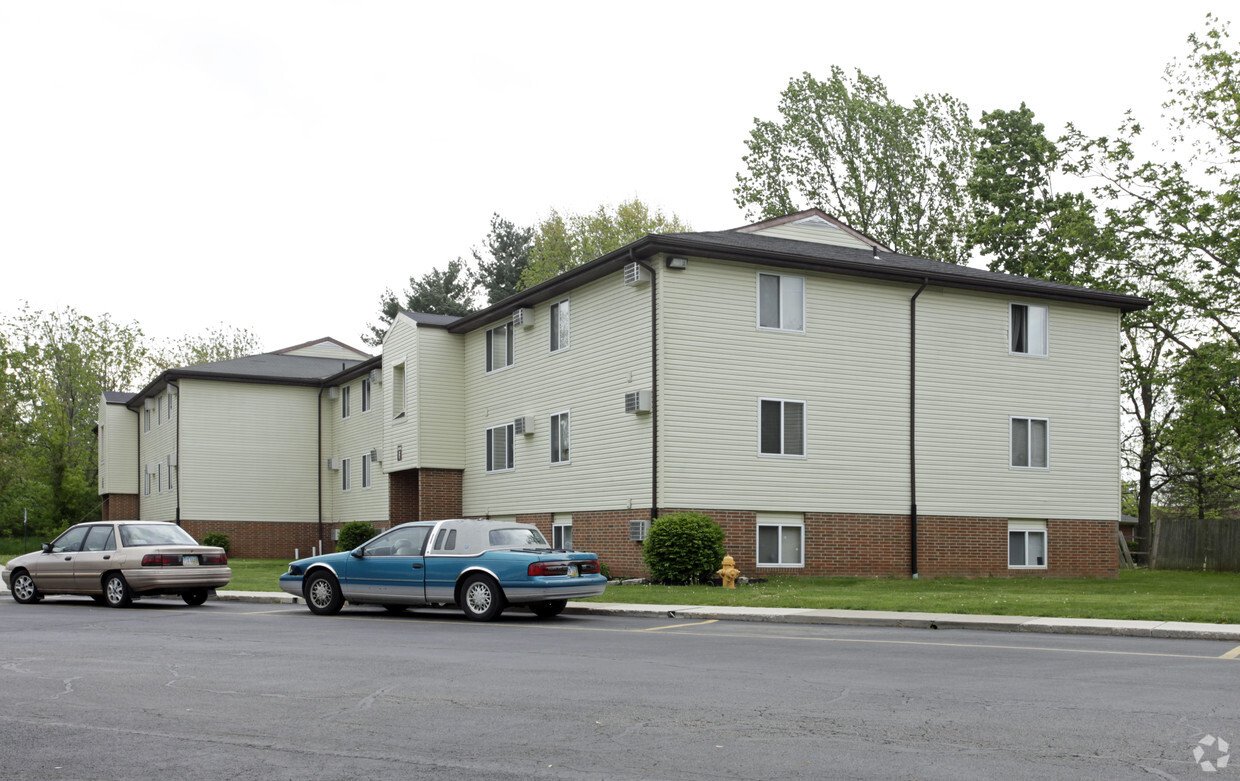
{"x":482,"y":566}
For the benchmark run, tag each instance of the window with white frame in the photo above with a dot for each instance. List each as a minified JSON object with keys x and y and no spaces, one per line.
{"x":781,"y":302}
{"x":559,"y":325}
{"x":344,"y":401}
{"x":782,"y":427}
{"x":562,"y":536}
{"x":365,"y":470}
{"x":1026,"y":544}
{"x":345,"y":482}
{"x":146,"y":421}
{"x":1028,"y":330}
{"x":169,"y":472}
{"x":159,"y":477}
{"x":499,"y":347}
{"x":1030,"y":443}
{"x":147,"y":490}
{"x":499,"y":448}
{"x":171,"y":396}
{"x":159,"y":411}
{"x":780,"y":544}
{"x":398,"y":391}
{"x":366,"y":394}
{"x":560,"y":438}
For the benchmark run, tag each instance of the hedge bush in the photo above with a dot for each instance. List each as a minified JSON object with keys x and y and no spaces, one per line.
{"x":217,"y":540}
{"x":354,"y":533}
{"x":683,"y":548}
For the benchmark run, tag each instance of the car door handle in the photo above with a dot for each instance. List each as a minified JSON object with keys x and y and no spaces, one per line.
{"x":417,"y":566}
{"x":68,"y":558}
{"x":105,"y":558}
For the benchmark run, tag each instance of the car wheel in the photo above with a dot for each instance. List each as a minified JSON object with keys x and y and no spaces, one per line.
{"x":24,"y":590}
{"x":395,"y":608}
{"x":116,"y":590}
{"x":195,"y":597}
{"x":481,"y":598}
{"x":549,"y":609}
{"x":322,"y":592}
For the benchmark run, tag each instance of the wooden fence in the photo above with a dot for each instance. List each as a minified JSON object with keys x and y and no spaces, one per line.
{"x":1196,"y":545}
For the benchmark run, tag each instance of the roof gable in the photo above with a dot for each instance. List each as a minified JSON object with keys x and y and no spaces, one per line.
{"x":326,"y":347}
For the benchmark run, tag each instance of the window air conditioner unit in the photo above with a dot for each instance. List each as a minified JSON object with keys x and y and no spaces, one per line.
{"x":523,"y":425}
{"x":172,"y":460}
{"x":637,"y":401}
{"x":523,"y":317}
{"x":333,"y":464}
{"x":638,"y":529}
{"x":376,"y":455}
{"x":333,"y":392}
{"x":635,"y":274}
{"x":376,"y":376}
{"x":152,"y":469}
{"x":148,"y":404}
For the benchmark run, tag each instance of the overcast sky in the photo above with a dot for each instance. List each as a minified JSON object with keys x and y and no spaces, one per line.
{"x":275,"y":165}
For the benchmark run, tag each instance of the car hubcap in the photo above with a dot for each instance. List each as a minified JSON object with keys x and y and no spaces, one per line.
{"x":479,"y":598}
{"x":116,"y":591}
{"x":321,"y":593}
{"x":24,"y":587}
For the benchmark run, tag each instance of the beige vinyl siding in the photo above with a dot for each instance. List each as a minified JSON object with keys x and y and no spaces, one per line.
{"x":849,"y":367}
{"x":440,"y":404}
{"x":328,"y":350}
{"x":608,"y":355}
{"x":249,"y":451}
{"x":351,"y":438}
{"x":118,"y":449}
{"x":400,"y":435}
{"x":817,"y":233}
{"x":155,"y":446}
{"x":969,"y":387}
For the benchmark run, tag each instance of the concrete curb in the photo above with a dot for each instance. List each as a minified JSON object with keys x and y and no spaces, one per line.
{"x":1071,"y":626}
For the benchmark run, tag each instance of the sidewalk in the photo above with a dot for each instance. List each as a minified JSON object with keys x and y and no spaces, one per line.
{"x":1071,"y":626}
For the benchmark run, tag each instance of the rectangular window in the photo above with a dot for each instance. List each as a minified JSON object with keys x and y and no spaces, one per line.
{"x":781,"y":302}
{"x":169,"y":473}
{"x":562,"y":536}
{"x":499,"y":448}
{"x":147,"y":489}
{"x":1030,"y":443}
{"x":345,"y":482}
{"x":366,"y":470}
{"x":559,"y":326}
{"x":159,"y":411}
{"x":366,"y":395}
{"x":559,"y":438}
{"x":779,"y":545}
{"x":171,"y":396}
{"x":1029,"y":329}
{"x":398,"y":391}
{"x":782,"y":427}
{"x":159,"y":477}
{"x":1026,"y":545}
{"x":146,"y":421}
{"x":499,"y":347}
{"x":344,"y":401}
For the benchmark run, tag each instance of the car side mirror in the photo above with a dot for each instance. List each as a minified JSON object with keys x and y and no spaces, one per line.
{"x":357,"y":553}
{"x":46,"y":547}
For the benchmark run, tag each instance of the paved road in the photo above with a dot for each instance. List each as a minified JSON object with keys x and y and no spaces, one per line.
{"x":236,"y":690}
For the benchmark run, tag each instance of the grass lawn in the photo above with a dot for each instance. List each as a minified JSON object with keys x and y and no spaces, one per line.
{"x":1210,"y":597}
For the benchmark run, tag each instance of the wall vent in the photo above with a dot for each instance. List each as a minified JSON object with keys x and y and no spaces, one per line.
{"x":638,"y":529}
{"x":635,"y":274}
{"x":637,"y":401}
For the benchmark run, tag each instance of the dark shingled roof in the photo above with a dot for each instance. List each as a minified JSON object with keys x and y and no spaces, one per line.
{"x":272,"y":368}
{"x":116,"y":397}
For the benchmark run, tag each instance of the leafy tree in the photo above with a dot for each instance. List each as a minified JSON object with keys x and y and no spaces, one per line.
{"x":509,"y":249}
{"x":219,"y":343}
{"x":560,"y":243}
{"x":1202,"y":457}
{"x":895,"y":172}
{"x":448,"y":291}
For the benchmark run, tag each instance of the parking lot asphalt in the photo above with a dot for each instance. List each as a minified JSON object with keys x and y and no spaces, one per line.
{"x":1183,"y":630}
{"x":1073,"y":626}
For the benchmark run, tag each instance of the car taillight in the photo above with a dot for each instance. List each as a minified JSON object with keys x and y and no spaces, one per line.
{"x":589,"y":567}
{"x":214,"y":558}
{"x":161,"y":560}
{"x":548,"y":568}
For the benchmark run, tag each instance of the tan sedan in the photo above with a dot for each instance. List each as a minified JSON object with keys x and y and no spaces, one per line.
{"x":115,"y":562}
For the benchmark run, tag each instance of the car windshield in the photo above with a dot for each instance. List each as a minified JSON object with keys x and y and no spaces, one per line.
{"x":517,"y":538}
{"x":137,"y":535}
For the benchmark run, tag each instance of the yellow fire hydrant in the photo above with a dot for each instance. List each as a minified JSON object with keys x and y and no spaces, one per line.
{"x":729,"y":573}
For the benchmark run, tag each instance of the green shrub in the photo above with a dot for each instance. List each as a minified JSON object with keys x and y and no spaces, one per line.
{"x":354,"y":533}
{"x":217,"y":540}
{"x":605,"y":570}
{"x":683,"y":548}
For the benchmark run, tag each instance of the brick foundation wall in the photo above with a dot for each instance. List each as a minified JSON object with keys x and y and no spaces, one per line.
{"x":120,"y":507}
{"x":440,"y":493}
{"x":403,"y":496}
{"x":263,"y":540}
{"x":865,"y":545}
